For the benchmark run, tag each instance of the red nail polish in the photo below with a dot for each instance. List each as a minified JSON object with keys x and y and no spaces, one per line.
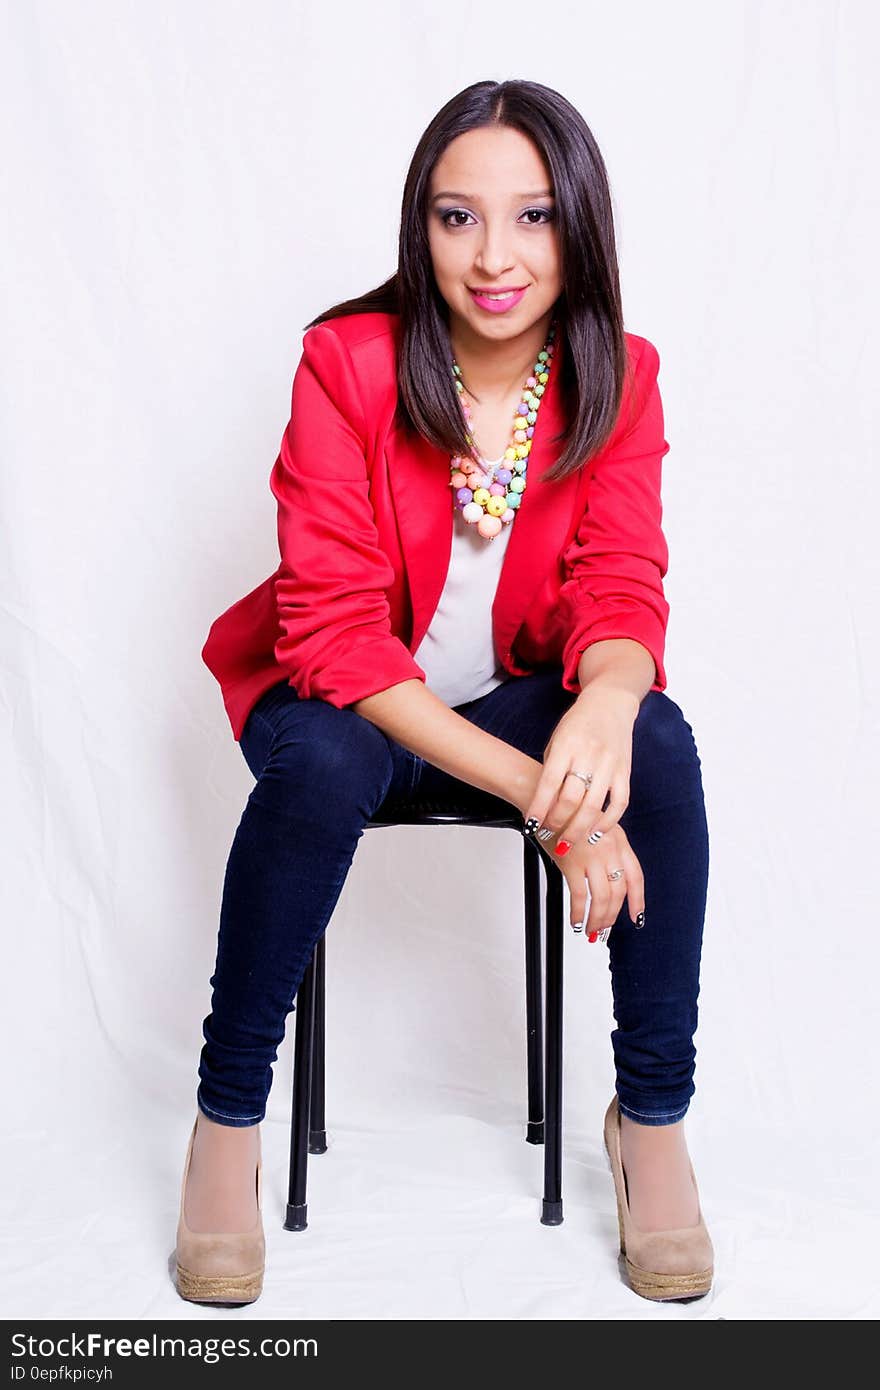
{"x":563,"y":847}
{"x":593,"y":936}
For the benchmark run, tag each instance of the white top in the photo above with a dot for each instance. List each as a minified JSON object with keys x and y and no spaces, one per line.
{"x":457,"y":653}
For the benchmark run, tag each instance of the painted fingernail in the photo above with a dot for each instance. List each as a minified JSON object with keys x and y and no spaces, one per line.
{"x":531,"y":825}
{"x":594,"y":837}
{"x":563,"y":847}
{"x":546,"y":834}
{"x":577,"y":926}
{"x":593,"y":936}
{"x":640,"y":920}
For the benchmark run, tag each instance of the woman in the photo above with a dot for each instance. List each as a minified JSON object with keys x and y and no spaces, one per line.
{"x":469,"y":597}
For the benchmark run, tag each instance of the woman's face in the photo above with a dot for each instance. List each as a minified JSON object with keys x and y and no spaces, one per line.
{"x":491,"y":225}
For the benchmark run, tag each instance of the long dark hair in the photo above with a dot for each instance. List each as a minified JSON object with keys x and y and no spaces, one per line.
{"x":588,"y":312}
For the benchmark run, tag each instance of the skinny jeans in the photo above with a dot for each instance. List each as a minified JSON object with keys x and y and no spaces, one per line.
{"x":322,"y":772}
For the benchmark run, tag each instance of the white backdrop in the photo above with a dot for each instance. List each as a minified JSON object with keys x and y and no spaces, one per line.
{"x":188,"y":184}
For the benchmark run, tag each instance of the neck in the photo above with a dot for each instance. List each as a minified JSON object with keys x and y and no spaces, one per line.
{"x":493,"y":371}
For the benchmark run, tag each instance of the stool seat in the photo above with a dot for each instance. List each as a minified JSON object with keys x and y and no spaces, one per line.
{"x":497,"y":814}
{"x":473,"y":808}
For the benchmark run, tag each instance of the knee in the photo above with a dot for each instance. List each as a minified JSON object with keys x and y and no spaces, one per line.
{"x":331,"y":760}
{"x":665,"y":760}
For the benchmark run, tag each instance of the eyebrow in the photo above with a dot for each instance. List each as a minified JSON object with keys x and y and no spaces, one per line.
{"x":471,"y":198}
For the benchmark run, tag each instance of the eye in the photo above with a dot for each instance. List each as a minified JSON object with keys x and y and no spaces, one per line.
{"x":546,"y":214}
{"x":453,"y":212}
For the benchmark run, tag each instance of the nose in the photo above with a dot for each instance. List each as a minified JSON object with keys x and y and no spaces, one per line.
{"x":494,"y":257}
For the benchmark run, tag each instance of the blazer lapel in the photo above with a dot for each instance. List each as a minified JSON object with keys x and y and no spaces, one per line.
{"x":423,"y":505}
{"x":422,"y":501}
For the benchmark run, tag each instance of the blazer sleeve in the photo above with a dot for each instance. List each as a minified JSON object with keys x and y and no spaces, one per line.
{"x":335,"y":641}
{"x":616,"y":563}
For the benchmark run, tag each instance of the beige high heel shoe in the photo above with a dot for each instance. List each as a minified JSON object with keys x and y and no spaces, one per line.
{"x":222,"y":1266}
{"x":661,"y":1264}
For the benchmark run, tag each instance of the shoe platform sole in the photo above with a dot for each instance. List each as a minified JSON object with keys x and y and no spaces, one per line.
{"x":202,"y":1288}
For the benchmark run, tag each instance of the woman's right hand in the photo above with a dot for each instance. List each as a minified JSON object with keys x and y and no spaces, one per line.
{"x":586,"y":865}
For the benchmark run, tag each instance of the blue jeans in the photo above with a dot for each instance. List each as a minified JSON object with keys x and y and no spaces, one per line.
{"x":322,"y":772}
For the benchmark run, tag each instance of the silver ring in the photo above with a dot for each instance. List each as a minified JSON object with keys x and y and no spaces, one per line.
{"x":614,"y":875}
{"x":585,"y":777}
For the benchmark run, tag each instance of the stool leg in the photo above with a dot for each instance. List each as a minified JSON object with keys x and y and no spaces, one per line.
{"x":551,"y":1214}
{"x":295,"y":1219}
{"x":534,"y":1048}
{"x":317,"y":1130}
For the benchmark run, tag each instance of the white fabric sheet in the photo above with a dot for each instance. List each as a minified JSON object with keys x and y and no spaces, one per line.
{"x":185,"y":188}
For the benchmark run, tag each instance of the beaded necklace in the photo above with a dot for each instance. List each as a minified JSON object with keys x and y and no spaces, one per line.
{"x":490,"y":499}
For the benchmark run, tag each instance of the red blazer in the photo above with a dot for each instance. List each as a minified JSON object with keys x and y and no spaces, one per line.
{"x":365,"y":531}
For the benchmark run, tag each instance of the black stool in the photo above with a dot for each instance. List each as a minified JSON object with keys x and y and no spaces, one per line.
{"x":307,"y":1131}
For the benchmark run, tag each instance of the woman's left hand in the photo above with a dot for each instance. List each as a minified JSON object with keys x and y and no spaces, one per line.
{"x":593,"y":736}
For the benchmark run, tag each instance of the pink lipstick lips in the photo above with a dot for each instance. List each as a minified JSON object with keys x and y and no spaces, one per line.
{"x":499,"y":301}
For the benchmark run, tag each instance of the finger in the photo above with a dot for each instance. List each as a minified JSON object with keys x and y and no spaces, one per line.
{"x":554,"y":800}
{"x":600,"y":900}
{"x":591,"y":819}
{"x":618,"y":898}
{"x":583,"y":825}
{"x":561,"y":812}
{"x":579,"y":894}
{"x":589,"y":810}
{"x":602,"y":929}
{"x":635,"y":887}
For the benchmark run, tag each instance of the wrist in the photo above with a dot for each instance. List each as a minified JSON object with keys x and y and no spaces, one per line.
{"x":523,"y":778}
{"x":625,"y":697}
{"x":525,"y":773}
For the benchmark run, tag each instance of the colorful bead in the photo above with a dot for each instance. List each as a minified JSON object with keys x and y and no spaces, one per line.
{"x":490,"y":499}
